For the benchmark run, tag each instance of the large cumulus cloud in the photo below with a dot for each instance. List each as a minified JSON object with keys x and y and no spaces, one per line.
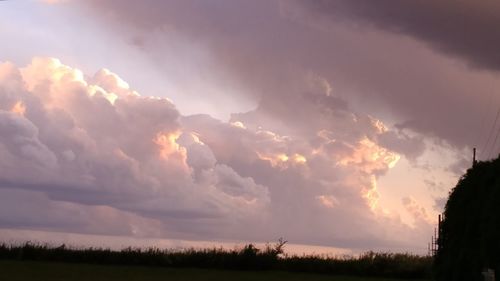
{"x":92,"y":141}
{"x":81,"y":151}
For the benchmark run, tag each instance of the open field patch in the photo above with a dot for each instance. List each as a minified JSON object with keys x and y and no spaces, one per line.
{"x":55,"y":271}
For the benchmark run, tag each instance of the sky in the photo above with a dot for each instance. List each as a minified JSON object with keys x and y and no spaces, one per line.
{"x":338,"y":125}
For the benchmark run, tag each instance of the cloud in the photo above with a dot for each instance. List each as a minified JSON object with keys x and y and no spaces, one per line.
{"x":459,"y":28}
{"x":37,"y":211}
{"x":91,"y":145}
{"x":330,"y":115}
{"x":96,"y":142}
{"x":321,"y":48}
{"x":52,"y":2}
{"x":440,"y":203}
{"x":20,"y":137}
{"x":330,"y":176}
{"x":418,"y":212}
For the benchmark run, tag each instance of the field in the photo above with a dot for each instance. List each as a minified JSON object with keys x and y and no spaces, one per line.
{"x":54,"y":271}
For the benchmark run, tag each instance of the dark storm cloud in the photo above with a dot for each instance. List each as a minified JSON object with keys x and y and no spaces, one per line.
{"x":464,"y":28}
{"x":267,"y":47}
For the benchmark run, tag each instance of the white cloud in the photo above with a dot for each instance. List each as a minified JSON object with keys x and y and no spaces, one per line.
{"x":93,"y":145}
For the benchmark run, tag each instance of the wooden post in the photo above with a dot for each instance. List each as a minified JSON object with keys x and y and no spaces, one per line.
{"x":432,"y":246}
{"x":439,"y":231}
{"x":474,"y":161}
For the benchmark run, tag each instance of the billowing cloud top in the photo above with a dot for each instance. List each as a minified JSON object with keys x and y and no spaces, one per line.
{"x":91,"y":155}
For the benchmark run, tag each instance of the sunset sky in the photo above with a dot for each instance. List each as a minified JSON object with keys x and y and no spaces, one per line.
{"x":339,"y":125}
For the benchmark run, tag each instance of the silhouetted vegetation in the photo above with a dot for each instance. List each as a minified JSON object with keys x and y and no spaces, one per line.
{"x":369,"y":264}
{"x":470,"y":232}
{"x":246,"y":258}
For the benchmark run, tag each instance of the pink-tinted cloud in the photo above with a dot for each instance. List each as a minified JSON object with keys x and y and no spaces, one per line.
{"x":92,"y":145}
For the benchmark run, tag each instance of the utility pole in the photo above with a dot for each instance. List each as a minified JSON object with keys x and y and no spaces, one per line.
{"x":474,"y":161}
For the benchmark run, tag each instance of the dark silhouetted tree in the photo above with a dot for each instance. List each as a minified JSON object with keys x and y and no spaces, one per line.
{"x":470,"y":232}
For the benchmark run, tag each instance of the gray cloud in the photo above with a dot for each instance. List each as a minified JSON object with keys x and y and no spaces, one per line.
{"x":34,"y":210}
{"x":464,"y":28}
{"x":271,"y":55}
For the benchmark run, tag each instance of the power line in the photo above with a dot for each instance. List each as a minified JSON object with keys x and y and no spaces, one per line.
{"x":494,"y":145}
{"x":492,"y":130}
{"x":485,"y":113}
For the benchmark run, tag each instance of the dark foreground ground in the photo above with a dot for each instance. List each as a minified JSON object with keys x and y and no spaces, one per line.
{"x":45,"y":271}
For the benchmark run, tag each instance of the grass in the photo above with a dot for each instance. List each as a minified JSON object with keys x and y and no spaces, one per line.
{"x":56,"y":271}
